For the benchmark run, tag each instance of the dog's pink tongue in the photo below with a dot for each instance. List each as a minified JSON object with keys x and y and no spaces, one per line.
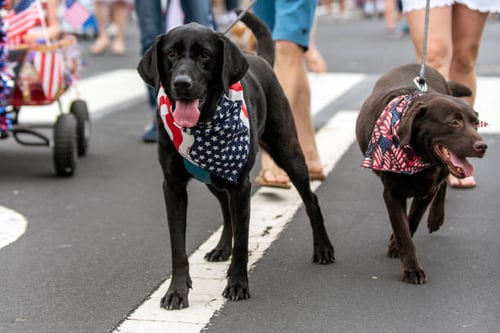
{"x":186,"y":113}
{"x":462,"y":163}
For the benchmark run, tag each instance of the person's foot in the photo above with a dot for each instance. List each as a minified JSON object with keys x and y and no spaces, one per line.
{"x":100,"y":46}
{"x":151,"y":134}
{"x":118,"y":48}
{"x":467,"y":182}
{"x":275,"y":177}
{"x":315,"y":61}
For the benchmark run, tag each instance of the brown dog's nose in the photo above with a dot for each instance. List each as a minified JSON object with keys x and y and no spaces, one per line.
{"x":182,"y":82}
{"x":480,"y":147}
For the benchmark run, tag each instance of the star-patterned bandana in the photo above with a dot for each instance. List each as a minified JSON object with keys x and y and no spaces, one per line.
{"x":384,"y":152}
{"x":217,"y":147}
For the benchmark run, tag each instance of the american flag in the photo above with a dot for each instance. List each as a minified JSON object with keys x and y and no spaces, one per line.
{"x":50,"y":66}
{"x":23,"y":17}
{"x":76,"y":14}
{"x":384,"y":152}
{"x":219,"y":146}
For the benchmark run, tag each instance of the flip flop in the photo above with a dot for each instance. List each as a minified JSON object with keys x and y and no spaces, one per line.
{"x":262,"y":181}
{"x":317,"y":175}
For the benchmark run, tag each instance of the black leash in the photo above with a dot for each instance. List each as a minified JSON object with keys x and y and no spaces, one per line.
{"x":420,"y":80}
{"x":238,"y":18}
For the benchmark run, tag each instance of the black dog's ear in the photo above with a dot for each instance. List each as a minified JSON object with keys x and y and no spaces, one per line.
{"x":458,"y":89}
{"x":234,"y":64}
{"x":405,"y":130}
{"x":148,"y":66}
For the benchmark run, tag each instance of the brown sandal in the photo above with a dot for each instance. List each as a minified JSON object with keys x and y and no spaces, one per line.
{"x":263,"y":180}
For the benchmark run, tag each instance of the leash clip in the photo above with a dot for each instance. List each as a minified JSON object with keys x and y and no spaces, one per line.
{"x":420,"y":83}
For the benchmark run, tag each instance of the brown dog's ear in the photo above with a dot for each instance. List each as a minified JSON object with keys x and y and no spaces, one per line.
{"x":234,"y":64}
{"x":405,"y":130}
{"x":458,"y":89}
{"x":148,"y":66}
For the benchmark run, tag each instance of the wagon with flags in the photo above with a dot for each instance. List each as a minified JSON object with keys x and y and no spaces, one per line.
{"x":40,"y":73}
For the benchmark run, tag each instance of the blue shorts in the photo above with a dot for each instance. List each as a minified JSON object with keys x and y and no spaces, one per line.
{"x":290,"y":20}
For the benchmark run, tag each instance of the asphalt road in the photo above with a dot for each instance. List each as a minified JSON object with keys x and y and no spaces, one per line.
{"x":96,"y":245}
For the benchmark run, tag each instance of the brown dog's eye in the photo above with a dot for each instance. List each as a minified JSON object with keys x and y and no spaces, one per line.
{"x":456,"y":123}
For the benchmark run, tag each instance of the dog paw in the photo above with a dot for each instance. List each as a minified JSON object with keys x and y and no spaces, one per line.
{"x":413,"y":275}
{"x":218,"y":254}
{"x":323,"y":255}
{"x":433,"y":224}
{"x":236,"y":291}
{"x":392,"y":250}
{"x":175,"y":300}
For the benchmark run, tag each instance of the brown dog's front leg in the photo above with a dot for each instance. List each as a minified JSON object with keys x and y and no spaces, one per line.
{"x":176,"y":204}
{"x":436,"y":213}
{"x":411,"y":271}
{"x":237,"y":285}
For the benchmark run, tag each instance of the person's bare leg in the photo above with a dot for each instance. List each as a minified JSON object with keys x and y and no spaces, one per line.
{"x":314,"y":59}
{"x":291,"y":72}
{"x":101,"y":12}
{"x":468,"y":26}
{"x":120,"y":14}
{"x":439,"y":43}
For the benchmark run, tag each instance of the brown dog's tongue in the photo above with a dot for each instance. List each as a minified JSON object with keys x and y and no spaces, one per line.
{"x":186,"y":113}
{"x":467,"y":168}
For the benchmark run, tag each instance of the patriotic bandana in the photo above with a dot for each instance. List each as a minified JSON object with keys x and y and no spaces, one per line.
{"x":384,"y":152}
{"x":217,"y":147}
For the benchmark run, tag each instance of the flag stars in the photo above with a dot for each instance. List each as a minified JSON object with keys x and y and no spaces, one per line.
{"x":220,"y":145}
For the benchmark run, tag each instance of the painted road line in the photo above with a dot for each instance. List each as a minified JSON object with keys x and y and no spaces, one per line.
{"x":326,"y":87}
{"x":488,"y":89}
{"x":13,"y":226}
{"x":271,"y":211}
{"x":113,"y":90}
{"x":106,"y":92}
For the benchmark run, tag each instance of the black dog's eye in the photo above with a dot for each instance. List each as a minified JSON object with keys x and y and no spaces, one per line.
{"x":205,"y":55}
{"x":171,"y":54}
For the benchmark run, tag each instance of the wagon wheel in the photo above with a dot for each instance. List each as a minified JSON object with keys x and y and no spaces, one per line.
{"x":65,"y":146}
{"x":83,"y":128}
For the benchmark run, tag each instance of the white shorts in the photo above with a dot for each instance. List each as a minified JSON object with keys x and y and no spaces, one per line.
{"x":479,"y":5}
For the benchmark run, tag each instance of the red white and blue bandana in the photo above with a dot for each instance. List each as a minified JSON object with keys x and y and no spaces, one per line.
{"x":217,"y":147}
{"x":384,"y":152}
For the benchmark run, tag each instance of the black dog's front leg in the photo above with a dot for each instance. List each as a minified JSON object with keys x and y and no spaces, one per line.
{"x":239,"y":202}
{"x":176,"y":204}
{"x":222,"y":250}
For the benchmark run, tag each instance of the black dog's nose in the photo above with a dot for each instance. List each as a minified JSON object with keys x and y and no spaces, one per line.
{"x":182,"y":82}
{"x":480,"y":146}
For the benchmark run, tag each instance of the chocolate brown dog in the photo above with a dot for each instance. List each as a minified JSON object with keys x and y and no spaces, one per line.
{"x":216,"y":105}
{"x":413,"y":141}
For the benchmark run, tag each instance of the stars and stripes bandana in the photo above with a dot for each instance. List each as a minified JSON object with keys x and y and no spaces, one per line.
{"x":217,"y":147}
{"x":384,"y":152}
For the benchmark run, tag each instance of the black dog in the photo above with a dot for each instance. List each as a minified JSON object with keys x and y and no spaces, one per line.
{"x":436,"y":133}
{"x":198,"y":75}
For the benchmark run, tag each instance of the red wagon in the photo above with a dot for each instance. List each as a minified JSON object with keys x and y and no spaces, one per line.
{"x":41,"y":74}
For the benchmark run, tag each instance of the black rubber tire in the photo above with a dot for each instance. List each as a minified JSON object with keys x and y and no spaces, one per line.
{"x":83,"y":127}
{"x":65,"y":146}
